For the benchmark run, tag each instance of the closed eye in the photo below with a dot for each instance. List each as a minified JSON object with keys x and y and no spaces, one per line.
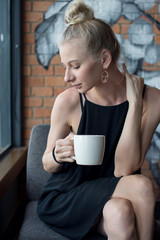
{"x":76,"y":67}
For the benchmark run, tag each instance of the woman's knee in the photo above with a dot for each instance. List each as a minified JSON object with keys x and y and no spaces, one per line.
{"x":144,"y":188}
{"x":118,"y":209}
{"x":119,"y":218}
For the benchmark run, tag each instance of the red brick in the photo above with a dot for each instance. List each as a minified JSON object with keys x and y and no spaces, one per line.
{"x":27,"y":6}
{"x":26,"y":92}
{"x":26,"y":27}
{"x":153,"y":10}
{"x":41,"y":5}
{"x":157,"y":39}
{"x":30,"y":59}
{"x":29,"y":38}
{"x":59,"y":70}
{"x":48,"y":101}
{"x":54,"y":81}
{"x":33,"y":27}
{"x":27,"y":133}
{"x":122,"y":20}
{"x":33,"y":81}
{"x":42,"y":112}
{"x":125,"y":36}
{"x":157,"y":17}
{"x":124,"y":28}
{"x":26,"y":48}
{"x":42,"y":91}
{"x":57,"y":91}
{"x":146,"y":18}
{"x":32,"y":102}
{"x":116,"y":28}
{"x":150,"y":67}
{"x":26,"y":70}
{"x":33,"y":48}
{"x":155,"y":29}
{"x":39,"y":70}
{"x":47,"y":121}
{"x":32,"y":17}
{"x":30,"y":122}
{"x":56,"y":60}
{"x":27,"y":113}
{"x":25,"y":142}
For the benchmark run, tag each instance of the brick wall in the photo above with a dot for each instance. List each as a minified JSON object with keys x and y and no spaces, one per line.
{"x":40,"y":86}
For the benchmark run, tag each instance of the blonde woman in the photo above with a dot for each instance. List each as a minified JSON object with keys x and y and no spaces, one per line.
{"x":113,"y":198}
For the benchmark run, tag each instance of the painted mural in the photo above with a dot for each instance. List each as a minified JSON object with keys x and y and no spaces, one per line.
{"x":137,"y":48}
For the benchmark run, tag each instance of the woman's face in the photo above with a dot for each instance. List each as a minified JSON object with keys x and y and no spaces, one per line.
{"x":82,"y":70}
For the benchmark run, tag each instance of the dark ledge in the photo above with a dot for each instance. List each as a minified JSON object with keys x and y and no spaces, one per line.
{"x":11,"y":166}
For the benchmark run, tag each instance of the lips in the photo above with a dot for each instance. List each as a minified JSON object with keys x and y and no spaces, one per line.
{"x":77,"y":86}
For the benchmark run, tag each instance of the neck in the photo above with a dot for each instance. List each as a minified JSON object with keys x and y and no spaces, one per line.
{"x":111,"y":93}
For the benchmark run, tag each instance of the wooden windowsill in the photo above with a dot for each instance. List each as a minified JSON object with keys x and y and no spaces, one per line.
{"x":10,"y":167}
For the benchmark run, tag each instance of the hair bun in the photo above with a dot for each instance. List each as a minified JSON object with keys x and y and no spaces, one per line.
{"x":78,"y":12}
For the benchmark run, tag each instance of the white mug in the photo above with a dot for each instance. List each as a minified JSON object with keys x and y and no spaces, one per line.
{"x":89,"y":149}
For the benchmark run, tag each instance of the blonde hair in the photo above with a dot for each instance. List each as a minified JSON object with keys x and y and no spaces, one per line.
{"x":96,"y":33}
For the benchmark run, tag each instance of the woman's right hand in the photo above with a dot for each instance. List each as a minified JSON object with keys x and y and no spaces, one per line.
{"x":134,"y":87}
{"x":64,"y":149}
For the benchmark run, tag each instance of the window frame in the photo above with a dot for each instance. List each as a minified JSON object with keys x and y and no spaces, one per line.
{"x":16,"y":70}
{"x":15,"y":77}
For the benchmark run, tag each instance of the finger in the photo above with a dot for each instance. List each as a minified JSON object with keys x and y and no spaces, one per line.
{"x":71,"y":136}
{"x":125,"y":70}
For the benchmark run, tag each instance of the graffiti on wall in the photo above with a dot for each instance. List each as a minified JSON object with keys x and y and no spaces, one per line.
{"x":138,"y":48}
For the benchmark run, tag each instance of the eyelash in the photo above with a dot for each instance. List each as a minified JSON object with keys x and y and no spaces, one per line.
{"x":76,"y":67}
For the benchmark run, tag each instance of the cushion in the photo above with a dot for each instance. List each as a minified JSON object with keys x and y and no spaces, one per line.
{"x":34,"y":229}
{"x":36,"y":175}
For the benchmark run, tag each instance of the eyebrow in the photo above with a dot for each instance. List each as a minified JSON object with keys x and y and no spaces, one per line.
{"x":74,"y":60}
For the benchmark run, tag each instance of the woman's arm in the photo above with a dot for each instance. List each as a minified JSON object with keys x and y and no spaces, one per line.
{"x":141,"y":121}
{"x":59,"y":136}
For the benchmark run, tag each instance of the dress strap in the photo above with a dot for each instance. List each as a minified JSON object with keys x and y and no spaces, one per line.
{"x":81,"y":101}
{"x":84,"y":96}
{"x":144,"y":90}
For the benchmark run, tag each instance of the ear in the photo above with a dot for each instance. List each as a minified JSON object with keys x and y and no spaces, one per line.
{"x":106,"y":58}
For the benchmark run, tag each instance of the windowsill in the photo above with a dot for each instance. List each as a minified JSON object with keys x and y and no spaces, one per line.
{"x":10,"y":167}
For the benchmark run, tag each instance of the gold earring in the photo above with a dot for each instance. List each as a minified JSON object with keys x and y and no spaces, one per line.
{"x":105,"y":76}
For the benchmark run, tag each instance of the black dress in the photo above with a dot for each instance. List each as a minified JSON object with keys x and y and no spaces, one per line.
{"x":72,"y":199}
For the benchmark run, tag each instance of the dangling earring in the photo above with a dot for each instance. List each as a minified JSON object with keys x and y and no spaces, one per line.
{"x":105,"y":76}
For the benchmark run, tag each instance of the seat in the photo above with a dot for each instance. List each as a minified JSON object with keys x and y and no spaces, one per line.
{"x":32,"y":227}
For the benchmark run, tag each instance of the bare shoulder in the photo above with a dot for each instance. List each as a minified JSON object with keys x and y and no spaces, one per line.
{"x":152,"y":94}
{"x":67,"y":100}
{"x":153,"y":91}
{"x":152,"y":101}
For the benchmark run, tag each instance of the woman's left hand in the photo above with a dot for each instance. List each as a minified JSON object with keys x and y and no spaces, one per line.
{"x":134,"y":87}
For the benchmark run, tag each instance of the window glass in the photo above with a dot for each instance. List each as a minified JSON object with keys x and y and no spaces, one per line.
{"x":5,"y":76}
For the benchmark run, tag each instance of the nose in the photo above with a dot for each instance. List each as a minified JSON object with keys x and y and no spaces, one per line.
{"x":68,"y":76}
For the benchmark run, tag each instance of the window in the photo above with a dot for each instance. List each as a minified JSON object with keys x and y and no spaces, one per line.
{"x":5,"y":76}
{"x":10,"y":124}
